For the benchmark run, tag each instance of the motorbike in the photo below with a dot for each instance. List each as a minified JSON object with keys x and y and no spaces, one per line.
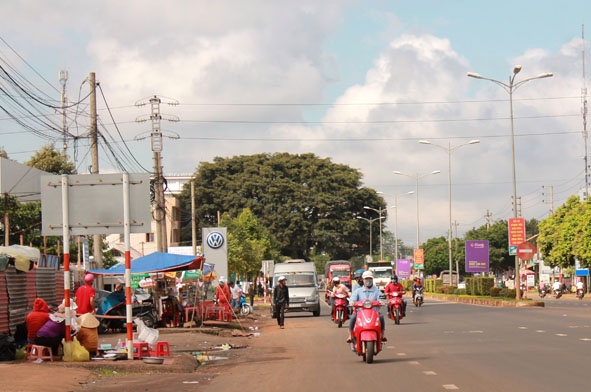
{"x":418,"y":297}
{"x":244,"y":306}
{"x":395,"y":306}
{"x":367,"y":333}
{"x":580,"y":294}
{"x":542,"y":292}
{"x":114,"y":305}
{"x":557,"y":294}
{"x":340,"y":309}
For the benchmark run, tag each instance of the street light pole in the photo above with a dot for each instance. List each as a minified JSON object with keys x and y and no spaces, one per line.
{"x":510,"y":88}
{"x":417,"y":177}
{"x":449,"y":149}
{"x":370,"y":232}
{"x":396,"y":223}
{"x":379,"y":212}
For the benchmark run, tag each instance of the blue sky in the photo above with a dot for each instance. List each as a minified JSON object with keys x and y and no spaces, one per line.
{"x":360,"y":82}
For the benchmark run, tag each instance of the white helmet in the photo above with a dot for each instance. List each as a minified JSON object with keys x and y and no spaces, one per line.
{"x":281,"y":278}
{"x":336,"y":279}
{"x":222,"y":279}
{"x":367,"y":275}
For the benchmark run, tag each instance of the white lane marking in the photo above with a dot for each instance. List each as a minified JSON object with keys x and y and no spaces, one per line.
{"x":561,"y":334}
{"x":475,"y":331}
{"x":429,"y":373}
{"x":522,"y":327}
{"x":401,"y":354}
{"x":540,"y":331}
{"x":586,"y":339}
{"x":414,"y":363}
{"x":450,"y":387}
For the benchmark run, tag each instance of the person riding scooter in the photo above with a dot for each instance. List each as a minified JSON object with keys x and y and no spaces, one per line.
{"x":393,"y":287}
{"x":416,"y":285}
{"x":368,"y":291}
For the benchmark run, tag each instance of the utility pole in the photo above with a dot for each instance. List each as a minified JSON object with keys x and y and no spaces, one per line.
{"x":63,"y":81}
{"x":97,"y":239}
{"x":193,"y":219}
{"x":487,"y":216}
{"x":551,"y":198}
{"x":159,"y":204}
{"x":584,"y":111}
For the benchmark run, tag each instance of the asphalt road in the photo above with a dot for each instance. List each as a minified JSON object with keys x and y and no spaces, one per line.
{"x":438,"y":347}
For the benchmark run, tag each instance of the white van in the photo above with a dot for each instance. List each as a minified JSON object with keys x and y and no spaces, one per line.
{"x":303,"y":285}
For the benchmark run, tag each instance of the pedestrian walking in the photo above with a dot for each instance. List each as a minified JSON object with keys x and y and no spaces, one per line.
{"x":281,"y":300}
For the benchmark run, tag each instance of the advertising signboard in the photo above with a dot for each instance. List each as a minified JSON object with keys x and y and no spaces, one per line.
{"x":477,"y":256}
{"x":419,"y":259}
{"x":516,"y":227}
{"x":403,"y":268}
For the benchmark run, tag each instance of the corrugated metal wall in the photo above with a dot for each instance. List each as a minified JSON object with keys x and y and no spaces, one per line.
{"x":18,"y":291}
{"x":3,"y":303}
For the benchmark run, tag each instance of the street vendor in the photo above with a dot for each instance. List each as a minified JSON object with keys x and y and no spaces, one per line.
{"x":88,"y":333}
{"x":53,"y":331}
{"x":36,"y":318}
{"x":223,"y":296}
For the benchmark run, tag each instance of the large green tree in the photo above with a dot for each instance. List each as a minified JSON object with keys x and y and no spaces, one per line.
{"x":307,"y":203}
{"x":566,"y":235}
{"x":50,"y":160}
{"x":248,"y":243}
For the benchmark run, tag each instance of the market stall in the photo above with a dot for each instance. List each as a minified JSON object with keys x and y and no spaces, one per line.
{"x":161,"y":275}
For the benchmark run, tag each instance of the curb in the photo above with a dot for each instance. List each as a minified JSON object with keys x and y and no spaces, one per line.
{"x":487,"y":301}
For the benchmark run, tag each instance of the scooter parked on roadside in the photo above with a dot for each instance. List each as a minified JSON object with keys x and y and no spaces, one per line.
{"x":244,"y":307}
{"x":395,"y":307}
{"x":367,"y":333}
{"x":340,"y":309}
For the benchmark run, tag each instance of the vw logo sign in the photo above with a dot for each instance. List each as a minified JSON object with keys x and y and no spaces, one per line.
{"x":215,"y":240}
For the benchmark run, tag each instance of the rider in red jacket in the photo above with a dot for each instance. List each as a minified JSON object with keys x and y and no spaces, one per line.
{"x":393,"y":287}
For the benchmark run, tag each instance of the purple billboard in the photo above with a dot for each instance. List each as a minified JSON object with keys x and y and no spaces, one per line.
{"x":477,"y":256}
{"x":403,"y":268}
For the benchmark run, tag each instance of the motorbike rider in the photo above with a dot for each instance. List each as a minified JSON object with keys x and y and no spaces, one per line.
{"x":580,"y":286}
{"x":556,"y":287}
{"x":416,"y":285}
{"x":393,"y":287}
{"x":338,"y":288}
{"x":368,"y":291}
{"x":358,"y":282}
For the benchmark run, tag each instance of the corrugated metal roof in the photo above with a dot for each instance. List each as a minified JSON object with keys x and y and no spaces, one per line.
{"x":16,"y":284}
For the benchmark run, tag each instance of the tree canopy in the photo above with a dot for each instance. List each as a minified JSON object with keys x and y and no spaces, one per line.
{"x":566,"y":235}
{"x":50,"y":160}
{"x":307,"y":204}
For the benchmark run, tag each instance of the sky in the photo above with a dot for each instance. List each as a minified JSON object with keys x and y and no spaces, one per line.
{"x":359,"y":82}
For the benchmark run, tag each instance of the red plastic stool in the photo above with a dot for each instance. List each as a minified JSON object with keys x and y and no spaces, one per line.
{"x":141,"y":350}
{"x":39,"y":352}
{"x":162,"y":349}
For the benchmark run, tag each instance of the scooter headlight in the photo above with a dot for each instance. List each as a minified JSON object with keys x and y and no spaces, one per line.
{"x":367,"y":304}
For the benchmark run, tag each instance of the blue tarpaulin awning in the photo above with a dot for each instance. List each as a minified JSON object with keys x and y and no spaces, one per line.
{"x":160,"y":262}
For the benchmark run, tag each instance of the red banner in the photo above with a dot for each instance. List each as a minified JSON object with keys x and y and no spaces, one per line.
{"x":419,"y":259}
{"x":516,"y":231}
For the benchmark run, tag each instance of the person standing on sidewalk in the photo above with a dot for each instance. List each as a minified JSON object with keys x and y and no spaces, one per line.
{"x":281,"y":300}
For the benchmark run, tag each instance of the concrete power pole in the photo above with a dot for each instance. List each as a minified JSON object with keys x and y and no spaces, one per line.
{"x":159,"y":205}
{"x":63,"y":81}
{"x":97,"y":239}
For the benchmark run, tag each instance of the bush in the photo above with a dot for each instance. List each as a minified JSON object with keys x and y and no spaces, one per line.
{"x":495,"y":291}
{"x":507,"y":293}
{"x":460,"y":292}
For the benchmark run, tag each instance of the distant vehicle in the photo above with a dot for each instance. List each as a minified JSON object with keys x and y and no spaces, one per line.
{"x":340,"y":269}
{"x":303,"y":285}
{"x":444,"y":276}
{"x":382,"y":273}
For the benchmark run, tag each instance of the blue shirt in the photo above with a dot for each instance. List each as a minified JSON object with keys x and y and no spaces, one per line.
{"x":362,"y":293}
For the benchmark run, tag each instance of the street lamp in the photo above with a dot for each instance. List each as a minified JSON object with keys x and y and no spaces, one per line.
{"x":449,"y":149}
{"x":380,"y":217}
{"x":371,"y":221}
{"x":509,"y":88}
{"x":417,"y":177}
{"x":395,"y":206}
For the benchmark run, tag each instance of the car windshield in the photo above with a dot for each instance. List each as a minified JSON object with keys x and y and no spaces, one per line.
{"x":382,"y":274}
{"x":300,"y":279}
{"x":341,"y":274}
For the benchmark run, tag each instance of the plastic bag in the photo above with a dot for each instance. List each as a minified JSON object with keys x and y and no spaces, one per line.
{"x":74,"y":351}
{"x":146,"y":334}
